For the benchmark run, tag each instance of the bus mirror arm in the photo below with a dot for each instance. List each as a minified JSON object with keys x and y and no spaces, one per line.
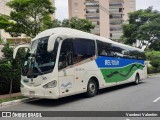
{"x":51,"y":42}
{"x":17,"y":48}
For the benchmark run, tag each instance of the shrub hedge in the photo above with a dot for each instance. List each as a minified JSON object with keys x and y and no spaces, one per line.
{"x":154,"y":57}
{"x":6,"y":74}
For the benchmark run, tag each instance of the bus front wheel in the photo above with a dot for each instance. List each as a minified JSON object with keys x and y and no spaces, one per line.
{"x":137,"y":79}
{"x":92,"y":88}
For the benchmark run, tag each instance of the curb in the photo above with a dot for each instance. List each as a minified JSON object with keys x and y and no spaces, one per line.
{"x":4,"y":104}
{"x":153,"y":74}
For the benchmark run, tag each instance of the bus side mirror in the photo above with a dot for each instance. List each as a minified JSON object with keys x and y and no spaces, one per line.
{"x":51,"y":42}
{"x":17,"y":48}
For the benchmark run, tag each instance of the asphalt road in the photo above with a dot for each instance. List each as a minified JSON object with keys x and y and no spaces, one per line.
{"x":129,"y":97}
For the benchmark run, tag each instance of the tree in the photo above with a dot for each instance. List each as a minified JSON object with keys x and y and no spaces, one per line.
{"x":52,"y":24}
{"x":155,"y":45}
{"x":79,"y":24}
{"x":11,"y":67}
{"x":4,"y":21}
{"x":7,"y":52}
{"x":144,"y":25}
{"x":29,"y":16}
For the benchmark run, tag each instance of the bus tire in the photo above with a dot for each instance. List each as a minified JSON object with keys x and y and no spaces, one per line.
{"x":92,"y":88}
{"x":137,"y":79}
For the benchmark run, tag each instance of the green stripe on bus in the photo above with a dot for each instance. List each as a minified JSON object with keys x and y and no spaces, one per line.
{"x":120,"y":74}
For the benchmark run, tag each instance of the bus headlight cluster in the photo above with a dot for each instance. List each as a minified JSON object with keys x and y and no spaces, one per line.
{"x":51,"y":84}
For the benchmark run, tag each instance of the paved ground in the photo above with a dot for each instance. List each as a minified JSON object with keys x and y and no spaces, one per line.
{"x":120,"y":98}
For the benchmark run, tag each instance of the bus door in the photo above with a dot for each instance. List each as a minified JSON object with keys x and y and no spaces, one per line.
{"x":84,"y":50}
{"x":80,"y":77}
{"x":66,"y":69}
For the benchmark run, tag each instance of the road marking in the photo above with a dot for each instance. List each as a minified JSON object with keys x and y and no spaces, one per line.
{"x":156,"y":99}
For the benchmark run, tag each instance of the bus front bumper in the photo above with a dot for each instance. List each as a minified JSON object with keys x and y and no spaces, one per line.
{"x":40,"y":92}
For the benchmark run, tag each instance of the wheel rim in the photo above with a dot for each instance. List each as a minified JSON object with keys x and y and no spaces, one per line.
{"x":137,"y":80}
{"x":92,"y":88}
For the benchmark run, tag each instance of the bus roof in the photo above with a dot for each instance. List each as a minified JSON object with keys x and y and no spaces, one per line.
{"x":79,"y":34}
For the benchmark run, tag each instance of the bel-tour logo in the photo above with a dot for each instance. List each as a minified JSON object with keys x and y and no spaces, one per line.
{"x":111,"y":62}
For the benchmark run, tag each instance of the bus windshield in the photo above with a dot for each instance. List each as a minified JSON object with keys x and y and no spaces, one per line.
{"x":38,"y":60}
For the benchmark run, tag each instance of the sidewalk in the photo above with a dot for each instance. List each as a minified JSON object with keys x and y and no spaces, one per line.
{"x":5,"y":100}
{"x":12,"y":95}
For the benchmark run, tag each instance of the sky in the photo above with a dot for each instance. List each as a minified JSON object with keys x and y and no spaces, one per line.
{"x":62,"y":7}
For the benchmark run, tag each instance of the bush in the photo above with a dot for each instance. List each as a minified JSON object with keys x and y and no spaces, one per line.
{"x":6,"y":70}
{"x":6,"y":74}
{"x":154,"y":57}
{"x":155,"y":63}
{"x":151,"y":55}
{"x":151,"y":70}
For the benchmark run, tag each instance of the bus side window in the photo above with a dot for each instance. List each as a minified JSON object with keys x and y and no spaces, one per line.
{"x":66,"y":54}
{"x":83,"y":49}
{"x":104,"y":49}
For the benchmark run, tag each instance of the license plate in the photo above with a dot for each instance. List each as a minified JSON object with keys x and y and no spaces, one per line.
{"x":32,"y":92}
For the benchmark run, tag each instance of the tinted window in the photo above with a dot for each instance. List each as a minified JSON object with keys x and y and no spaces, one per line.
{"x":113,"y":50}
{"x":83,"y":49}
{"x":66,"y":54}
{"x":118,"y":51}
{"x":104,"y":49}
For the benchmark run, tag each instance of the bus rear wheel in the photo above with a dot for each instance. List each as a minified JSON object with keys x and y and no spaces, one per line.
{"x":92,"y":88}
{"x":137,"y":79}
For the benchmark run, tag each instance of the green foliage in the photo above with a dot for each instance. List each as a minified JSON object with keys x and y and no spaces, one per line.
{"x":151,"y":55}
{"x":4,"y":21}
{"x":3,"y":61}
{"x":1,"y":41}
{"x":10,"y":70}
{"x":29,"y":17}
{"x":6,"y":74}
{"x":79,"y":24}
{"x":75,"y":23}
{"x":151,"y":70}
{"x":155,"y":45}
{"x":144,"y":25}
{"x":8,"y":52}
{"x":155,"y":63}
{"x":51,"y":24}
{"x":154,"y":58}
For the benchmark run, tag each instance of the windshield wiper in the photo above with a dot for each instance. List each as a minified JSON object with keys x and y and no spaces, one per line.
{"x":39,"y":70}
{"x":33,"y":63}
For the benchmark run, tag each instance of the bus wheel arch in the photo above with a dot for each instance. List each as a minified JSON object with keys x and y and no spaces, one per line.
{"x":137,"y":79}
{"x":92,"y":87}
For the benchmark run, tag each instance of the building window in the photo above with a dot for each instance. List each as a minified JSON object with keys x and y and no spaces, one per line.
{"x":120,"y":9}
{"x":110,"y":34}
{"x":92,"y":17}
{"x":75,"y":10}
{"x":76,"y":4}
{"x":115,"y":16}
{"x":131,"y":2}
{"x":115,"y":3}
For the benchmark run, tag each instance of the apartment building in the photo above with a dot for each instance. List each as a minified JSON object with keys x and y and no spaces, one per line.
{"x":5,"y":10}
{"x":53,"y":15}
{"x":107,"y":15}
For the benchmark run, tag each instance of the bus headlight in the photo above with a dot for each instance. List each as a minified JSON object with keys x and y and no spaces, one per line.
{"x":51,"y":84}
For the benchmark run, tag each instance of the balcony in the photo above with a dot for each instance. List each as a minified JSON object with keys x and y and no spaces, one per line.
{"x":117,"y":29}
{"x":116,"y":4}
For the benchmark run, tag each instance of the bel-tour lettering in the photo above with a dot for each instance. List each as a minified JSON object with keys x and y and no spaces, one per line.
{"x":111,"y":62}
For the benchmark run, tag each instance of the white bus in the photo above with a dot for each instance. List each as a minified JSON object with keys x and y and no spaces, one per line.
{"x":63,"y":62}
